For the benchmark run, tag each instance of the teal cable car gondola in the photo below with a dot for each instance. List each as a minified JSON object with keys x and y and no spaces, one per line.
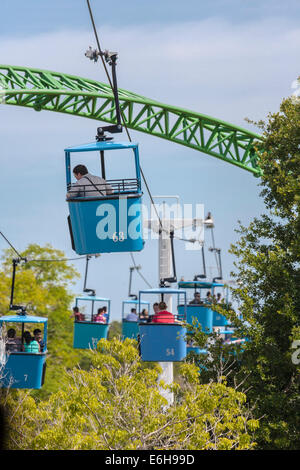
{"x":164,"y":342}
{"x":88,"y":331}
{"x":201,"y":308}
{"x":106,"y":215}
{"x":105,"y":218}
{"x":130,"y":326}
{"x":23,"y":369}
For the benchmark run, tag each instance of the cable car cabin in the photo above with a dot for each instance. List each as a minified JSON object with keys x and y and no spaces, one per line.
{"x":105,"y":213}
{"x":130,"y":320}
{"x":200,"y":307}
{"x":91,"y":326}
{"x":162,"y":341}
{"x":25,"y":364}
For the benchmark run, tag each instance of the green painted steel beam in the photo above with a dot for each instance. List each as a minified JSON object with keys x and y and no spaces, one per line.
{"x":53,"y":91}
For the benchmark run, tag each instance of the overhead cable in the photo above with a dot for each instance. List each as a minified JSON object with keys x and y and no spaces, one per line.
{"x":121,"y":111}
{"x":139,"y":273}
{"x":10,"y":244}
{"x":38,"y":260}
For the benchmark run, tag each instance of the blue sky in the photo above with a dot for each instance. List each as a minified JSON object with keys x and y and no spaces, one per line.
{"x":228,"y":59}
{"x":35,"y":16}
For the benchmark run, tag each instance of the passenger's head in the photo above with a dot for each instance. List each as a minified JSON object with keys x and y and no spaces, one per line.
{"x":104,"y":309}
{"x":155,"y":307}
{"x":100,"y":310}
{"x":11,"y":333}
{"x":197,"y":295}
{"x":133,"y":310}
{"x":208,"y":294}
{"x":162,"y":306}
{"x":27,"y":337}
{"x":75,"y":309}
{"x":37,"y":334}
{"x":79,"y":171}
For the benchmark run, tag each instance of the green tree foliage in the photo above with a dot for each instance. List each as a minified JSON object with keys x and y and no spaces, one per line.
{"x":268,"y":274}
{"x":118,"y":405}
{"x":42,"y":283}
{"x":217,"y":360}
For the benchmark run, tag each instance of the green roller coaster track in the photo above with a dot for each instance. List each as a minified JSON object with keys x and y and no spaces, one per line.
{"x":53,"y":91}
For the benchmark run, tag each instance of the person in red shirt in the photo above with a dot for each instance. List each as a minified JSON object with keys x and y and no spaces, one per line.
{"x":163,"y":316}
{"x":77,"y":315}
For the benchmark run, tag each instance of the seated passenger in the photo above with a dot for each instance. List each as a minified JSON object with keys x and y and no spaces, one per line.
{"x":30,"y":345}
{"x":99,"y":317}
{"x":155,"y":310}
{"x":12,"y":343}
{"x":77,"y":315}
{"x":38,"y":337}
{"x":88,"y":185}
{"x":196,"y":300}
{"x":209,"y":298}
{"x":132,"y":316}
{"x":156,"y":307}
{"x":163,"y":316}
{"x":104,"y":313}
{"x":144,"y":316}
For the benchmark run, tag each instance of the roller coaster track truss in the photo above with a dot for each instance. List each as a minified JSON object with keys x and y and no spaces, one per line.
{"x":52,"y":91}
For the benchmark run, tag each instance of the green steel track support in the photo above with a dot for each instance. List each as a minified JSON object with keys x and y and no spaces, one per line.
{"x":53,"y":91}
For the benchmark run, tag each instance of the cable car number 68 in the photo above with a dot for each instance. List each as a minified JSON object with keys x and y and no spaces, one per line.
{"x":118,"y":237}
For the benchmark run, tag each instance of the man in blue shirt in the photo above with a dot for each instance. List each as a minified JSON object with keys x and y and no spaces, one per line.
{"x":132,"y":316}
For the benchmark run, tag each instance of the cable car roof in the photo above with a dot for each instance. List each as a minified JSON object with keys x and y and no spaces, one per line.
{"x":162,"y":290}
{"x":131,"y":301}
{"x":23,"y":319}
{"x":102,"y":145}
{"x":199,"y":284}
{"x":93,"y":298}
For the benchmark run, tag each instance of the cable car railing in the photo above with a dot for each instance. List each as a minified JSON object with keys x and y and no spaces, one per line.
{"x":109,"y":188}
{"x":177,"y":318}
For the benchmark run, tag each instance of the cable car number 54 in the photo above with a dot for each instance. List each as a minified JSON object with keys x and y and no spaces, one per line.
{"x":170,"y":352}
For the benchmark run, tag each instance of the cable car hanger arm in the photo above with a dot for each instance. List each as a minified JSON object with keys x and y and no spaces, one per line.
{"x":85,"y":289}
{"x":20,"y":308}
{"x":217,"y":252}
{"x":131,"y":269}
{"x":174,"y":277}
{"x":111,"y":58}
{"x":197,"y":277}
